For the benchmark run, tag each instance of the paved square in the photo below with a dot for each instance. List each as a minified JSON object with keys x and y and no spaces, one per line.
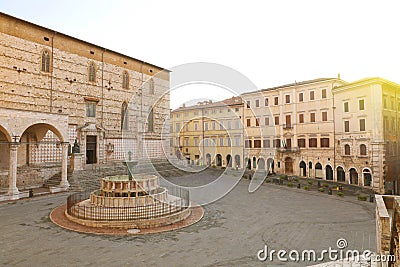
{"x":233,"y":229}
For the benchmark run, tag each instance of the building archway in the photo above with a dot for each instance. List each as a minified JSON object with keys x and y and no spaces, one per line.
{"x":318,"y":171}
{"x":208,"y":159}
{"x":367,"y":177}
{"x":303,"y":168}
{"x":254,"y":162}
{"x":270,"y":165}
{"x":353,"y":176}
{"x":310,"y":168}
{"x":328,"y":173}
{"x":289,"y":166}
{"x":229,"y":160}
{"x":237,"y":161}
{"x":261,"y":164}
{"x":219,"y":160}
{"x":340,"y":174}
{"x":4,"y":149}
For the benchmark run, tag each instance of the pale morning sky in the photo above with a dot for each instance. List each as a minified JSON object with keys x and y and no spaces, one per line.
{"x":270,"y":42}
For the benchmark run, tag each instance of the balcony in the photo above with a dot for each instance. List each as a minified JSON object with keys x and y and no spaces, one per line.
{"x":287,"y":126}
{"x":288,"y":149}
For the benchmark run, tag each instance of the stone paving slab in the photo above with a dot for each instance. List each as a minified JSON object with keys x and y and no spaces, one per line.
{"x":232,"y":231}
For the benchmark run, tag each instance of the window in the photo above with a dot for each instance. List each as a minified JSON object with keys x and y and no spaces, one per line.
{"x":187,"y":127}
{"x":301,"y":142}
{"x":229,"y":142}
{"x":248,"y":103}
{"x":237,"y":141}
{"x":125,"y":80}
{"x":287,"y":99}
{"x":276,"y":120}
{"x":91,"y":109}
{"x":257,"y":103}
{"x":124,"y":116}
{"x":277,"y":143}
{"x":361,"y":105}
{"x":151,"y":86}
{"x":288,"y":143}
{"x":266,"y":102}
{"x":186,"y":141}
{"x":92,"y":72}
{"x":362,"y":125}
{"x":384,"y":102}
{"x":247,"y":143}
{"x":266,"y":143}
{"x":229,"y":126}
{"x":213,"y":125}
{"x":312,"y":95}
{"x":221,"y":141}
{"x":323,"y":93}
{"x":196,"y":141}
{"x":257,"y":121}
{"x":301,"y":118}
{"x":196,"y":126}
{"x":324,"y":142}
{"x":324,"y":116}
{"x":150,"y":121}
{"x":237,"y":124}
{"x":288,"y":121}
{"x":346,"y":106}
{"x":178,"y":127}
{"x":346,"y":150}
{"x":276,"y":100}
{"x":301,"y":97}
{"x":221,"y":126}
{"x":248,"y":122}
{"x":46,"y":61}
{"x":363,"y":150}
{"x":257,"y":143}
{"x":346,"y":126}
{"x":312,"y":142}
{"x":206,"y":126}
{"x":312,"y":117}
{"x":266,"y":121}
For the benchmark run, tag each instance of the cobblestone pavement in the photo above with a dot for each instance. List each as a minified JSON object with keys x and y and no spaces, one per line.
{"x":231,"y":233}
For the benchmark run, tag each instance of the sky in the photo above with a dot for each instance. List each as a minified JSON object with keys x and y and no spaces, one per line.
{"x":270,"y":42}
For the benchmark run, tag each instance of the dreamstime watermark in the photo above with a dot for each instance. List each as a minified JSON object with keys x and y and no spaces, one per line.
{"x":331,"y":254}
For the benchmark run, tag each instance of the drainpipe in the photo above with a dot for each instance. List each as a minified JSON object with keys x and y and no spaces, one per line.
{"x":102,"y":87}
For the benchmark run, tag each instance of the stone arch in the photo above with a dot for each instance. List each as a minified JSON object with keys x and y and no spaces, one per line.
{"x":219,"y":160}
{"x":261,"y":163}
{"x":303,"y":168}
{"x":42,"y":128}
{"x":237,"y":161}
{"x":254,"y":162}
{"x":353,"y":176}
{"x":208,"y":159}
{"x":6,"y":134}
{"x":318,"y":170}
{"x":328,"y":172}
{"x":4,"y":148}
{"x":340,"y":174}
{"x":367,"y":177}
{"x":228,"y":160}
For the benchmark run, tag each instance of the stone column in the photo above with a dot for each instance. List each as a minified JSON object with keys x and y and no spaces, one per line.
{"x":64,"y":165}
{"x":12,"y":181}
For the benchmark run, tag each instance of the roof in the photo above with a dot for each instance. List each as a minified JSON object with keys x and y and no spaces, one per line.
{"x":74,"y":38}
{"x":295,"y":84}
{"x":365,"y":81}
{"x":235,"y":100}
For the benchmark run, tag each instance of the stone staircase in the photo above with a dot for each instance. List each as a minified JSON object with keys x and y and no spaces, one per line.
{"x":89,"y":178}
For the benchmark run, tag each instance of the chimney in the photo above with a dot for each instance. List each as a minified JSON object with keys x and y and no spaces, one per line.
{"x":183,"y":105}
{"x":338,"y":76}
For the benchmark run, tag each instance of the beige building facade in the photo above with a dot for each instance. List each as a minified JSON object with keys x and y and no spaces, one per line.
{"x":209,"y":133}
{"x":56,"y":89}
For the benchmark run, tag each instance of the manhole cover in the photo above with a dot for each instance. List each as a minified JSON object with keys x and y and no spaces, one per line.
{"x":133,"y":231}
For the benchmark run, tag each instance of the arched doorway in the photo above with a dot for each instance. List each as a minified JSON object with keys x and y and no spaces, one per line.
{"x":237,"y":161}
{"x":289,"y":165}
{"x":310,"y":168}
{"x":229,"y":160}
{"x":248,"y":163}
{"x":328,"y":173}
{"x":367,"y":177}
{"x":254,"y":162}
{"x":219,"y":160}
{"x":318,"y":171}
{"x":270,"y":165}
{"x":208,"y":159}
{"x":303,"y":168}
{"x":4,"y":149}
{"x":353,"y":176}
{"x":340,"y":174}
{"x":261,"y":164}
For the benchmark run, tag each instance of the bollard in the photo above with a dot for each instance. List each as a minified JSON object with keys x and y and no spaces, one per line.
{"x":30,"y":192}
{"x":330,"y":191}
{"x":371,"y":198}
{"x":298,"y":186}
